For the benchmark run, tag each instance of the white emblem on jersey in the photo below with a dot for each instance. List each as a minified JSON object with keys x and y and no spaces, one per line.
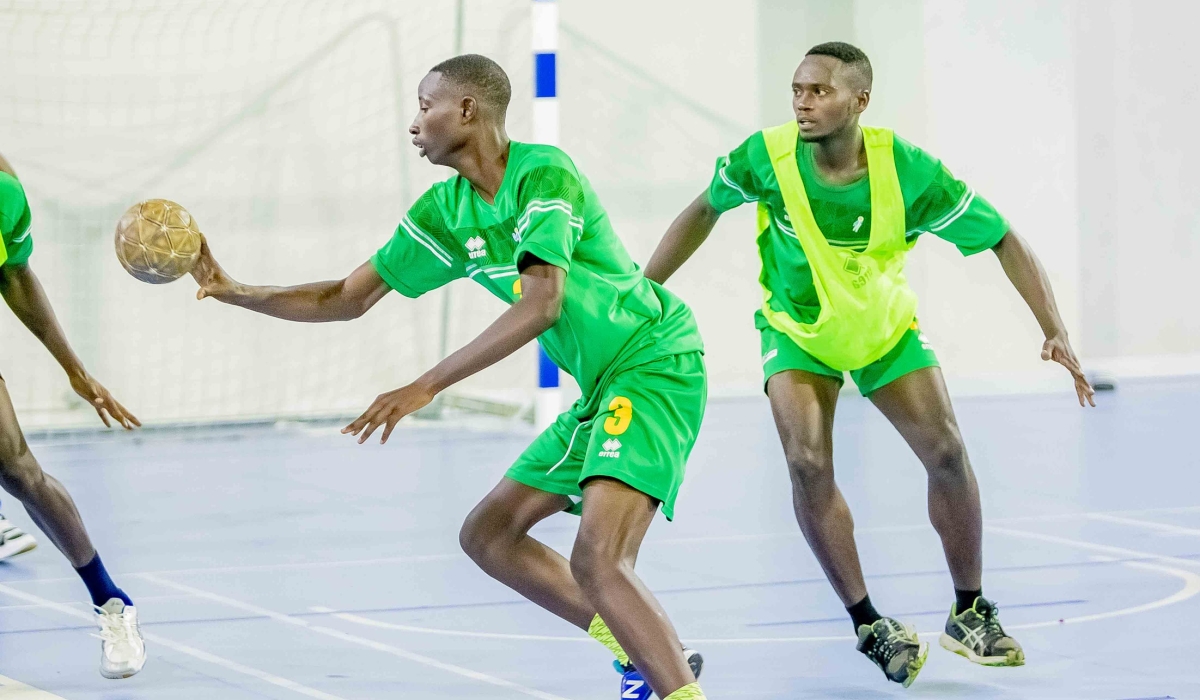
{"x":770,"y":355}
{"x":858,"y":224}
{"x":475,"y":247}
{"x":612,"y":448}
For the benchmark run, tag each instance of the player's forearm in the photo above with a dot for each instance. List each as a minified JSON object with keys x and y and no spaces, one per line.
{"x":25,"y":296}
{"x":316,"y":302}
{"x":1029,"y":278}
{"x":532,"y":315}
{"x":683,"y":238}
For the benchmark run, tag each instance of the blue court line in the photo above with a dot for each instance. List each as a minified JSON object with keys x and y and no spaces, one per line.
{"x":842,"y":618}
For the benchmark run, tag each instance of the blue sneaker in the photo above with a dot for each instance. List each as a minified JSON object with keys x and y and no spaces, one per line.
{"x":635,"y":687}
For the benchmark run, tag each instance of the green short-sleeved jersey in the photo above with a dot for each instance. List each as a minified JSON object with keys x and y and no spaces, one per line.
{"x":14,"y":221}
{"x":935,"y":202}
{"x":612,"y":316}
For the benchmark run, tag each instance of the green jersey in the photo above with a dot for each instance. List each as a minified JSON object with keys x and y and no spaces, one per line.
{"x":612,"y":316}
{"x":14,"y":221}
{"x":934,"y":200}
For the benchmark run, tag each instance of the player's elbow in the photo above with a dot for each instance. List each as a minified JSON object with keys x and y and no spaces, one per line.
{"x":547,"y":308}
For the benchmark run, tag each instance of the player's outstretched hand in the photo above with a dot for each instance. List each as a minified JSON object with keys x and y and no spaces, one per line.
{"x":98,"y":397}
{"x":208,"y":274}
{"x":1059,"y":350}
{"x":387,"y":410}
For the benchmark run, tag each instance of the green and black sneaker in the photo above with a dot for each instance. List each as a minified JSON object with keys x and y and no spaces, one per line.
{"x":976,"y":634}
{"x":894,"y":648}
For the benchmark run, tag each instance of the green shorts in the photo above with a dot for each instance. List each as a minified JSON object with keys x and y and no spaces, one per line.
{"x":913,"y":352}
{"x":638,"y":427}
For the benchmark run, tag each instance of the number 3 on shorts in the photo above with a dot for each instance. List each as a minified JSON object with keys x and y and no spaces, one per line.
{"x":618,"y":422}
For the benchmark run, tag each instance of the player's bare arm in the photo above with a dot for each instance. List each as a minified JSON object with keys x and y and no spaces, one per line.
{"x":1029,"y":278}
{"x":684,"y":237}
{"x":543,"y":287}
{"x":24,"y":295}
{"x":6,"y":167}
{"x":316,"y":302}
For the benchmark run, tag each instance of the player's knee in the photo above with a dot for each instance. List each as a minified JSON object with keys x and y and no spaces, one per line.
{"x":20,"y":474}
{"x":477,"y":534}
{"x":810,"y":467}
{"x":592,"y":562}
{"x":946,"y":456}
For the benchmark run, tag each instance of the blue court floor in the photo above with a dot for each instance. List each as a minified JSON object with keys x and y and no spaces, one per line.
{"x":289,"y":562}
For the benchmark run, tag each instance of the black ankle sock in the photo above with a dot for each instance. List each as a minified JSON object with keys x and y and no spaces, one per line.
{"x":863,"y":613}
{"x":965,"y":600}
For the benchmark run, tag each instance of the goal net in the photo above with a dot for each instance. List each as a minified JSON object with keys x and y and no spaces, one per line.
{"x":282,"y":126}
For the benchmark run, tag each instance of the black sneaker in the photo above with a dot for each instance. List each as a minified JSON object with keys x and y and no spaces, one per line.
{"x":894,"y":648}
{"x":976,"y":634}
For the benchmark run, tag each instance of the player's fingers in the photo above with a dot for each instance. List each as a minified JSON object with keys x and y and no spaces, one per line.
{"x":128,"y":416}
{"x":103,"y":416}
{"x":359,"y":423}
{"x":371,"y":426}
{"x":388,"y":428}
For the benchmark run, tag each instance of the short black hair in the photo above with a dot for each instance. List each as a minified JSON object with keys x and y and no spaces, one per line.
{"x":846,"y":53}
{"x":481,"y":73}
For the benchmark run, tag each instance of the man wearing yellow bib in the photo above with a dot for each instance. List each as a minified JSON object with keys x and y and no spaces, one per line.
{"x":839,"y":206}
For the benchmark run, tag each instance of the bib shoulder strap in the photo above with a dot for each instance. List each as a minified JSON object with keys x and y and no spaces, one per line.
{"x":781,"y":140}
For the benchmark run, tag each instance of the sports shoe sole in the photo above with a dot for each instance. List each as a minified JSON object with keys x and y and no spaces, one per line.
{"x":915,"y":666}
{"x":18,"y":545}
{"x":1014,"y":658}
{"x":116,"y":676}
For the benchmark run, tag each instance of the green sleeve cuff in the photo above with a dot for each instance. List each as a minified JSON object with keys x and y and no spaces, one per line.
{"x":392,"y":279}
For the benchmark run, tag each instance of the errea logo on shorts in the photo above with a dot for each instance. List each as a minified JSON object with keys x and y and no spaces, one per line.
{"x":612,"y":448}
{"x":475,"y":247}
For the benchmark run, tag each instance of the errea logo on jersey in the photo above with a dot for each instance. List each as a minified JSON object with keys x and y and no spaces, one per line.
{"x":475,"y":247}
{"x":612,"y":448}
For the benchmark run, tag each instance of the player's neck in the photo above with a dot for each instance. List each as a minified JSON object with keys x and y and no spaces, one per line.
{"x":841,"y":156}
{"x":483,"y":162}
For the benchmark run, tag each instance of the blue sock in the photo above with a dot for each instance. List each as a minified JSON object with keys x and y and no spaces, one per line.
{"x":99,"y":585}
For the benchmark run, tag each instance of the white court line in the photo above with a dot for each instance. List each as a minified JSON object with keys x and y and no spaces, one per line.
{"x":1102,"y":548}
{"x":85,"y":607}
{"x":353,"y":639}
{"x":420,"y":558}
{"x":1148,"y":524}
{"x":181,"y":648}
{"x":16,"y":690}
{"x":368,"y":622}
{"x":1190,"y":588}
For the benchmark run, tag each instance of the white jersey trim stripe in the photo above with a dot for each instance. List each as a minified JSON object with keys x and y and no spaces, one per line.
{"x":730,"y":183}
{"x":961,"y":208}
{"x":415,"y":233}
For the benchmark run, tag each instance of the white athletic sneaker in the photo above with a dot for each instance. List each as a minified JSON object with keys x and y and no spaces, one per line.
{"x":122,"y":650}
{"x":14,"y":540}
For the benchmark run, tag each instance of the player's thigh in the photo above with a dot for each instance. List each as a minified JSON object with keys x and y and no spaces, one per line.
{"x":919,"y":407}
{"x":614,"y":522}
{"x":14,"y":451}
{"x":506,"y":513}
{"x":647,"y":425}
{"x":803,"y":404}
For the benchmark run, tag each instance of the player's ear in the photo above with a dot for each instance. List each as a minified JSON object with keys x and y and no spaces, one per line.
{"x":864,"y":99}
{"x":469,"y":109}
